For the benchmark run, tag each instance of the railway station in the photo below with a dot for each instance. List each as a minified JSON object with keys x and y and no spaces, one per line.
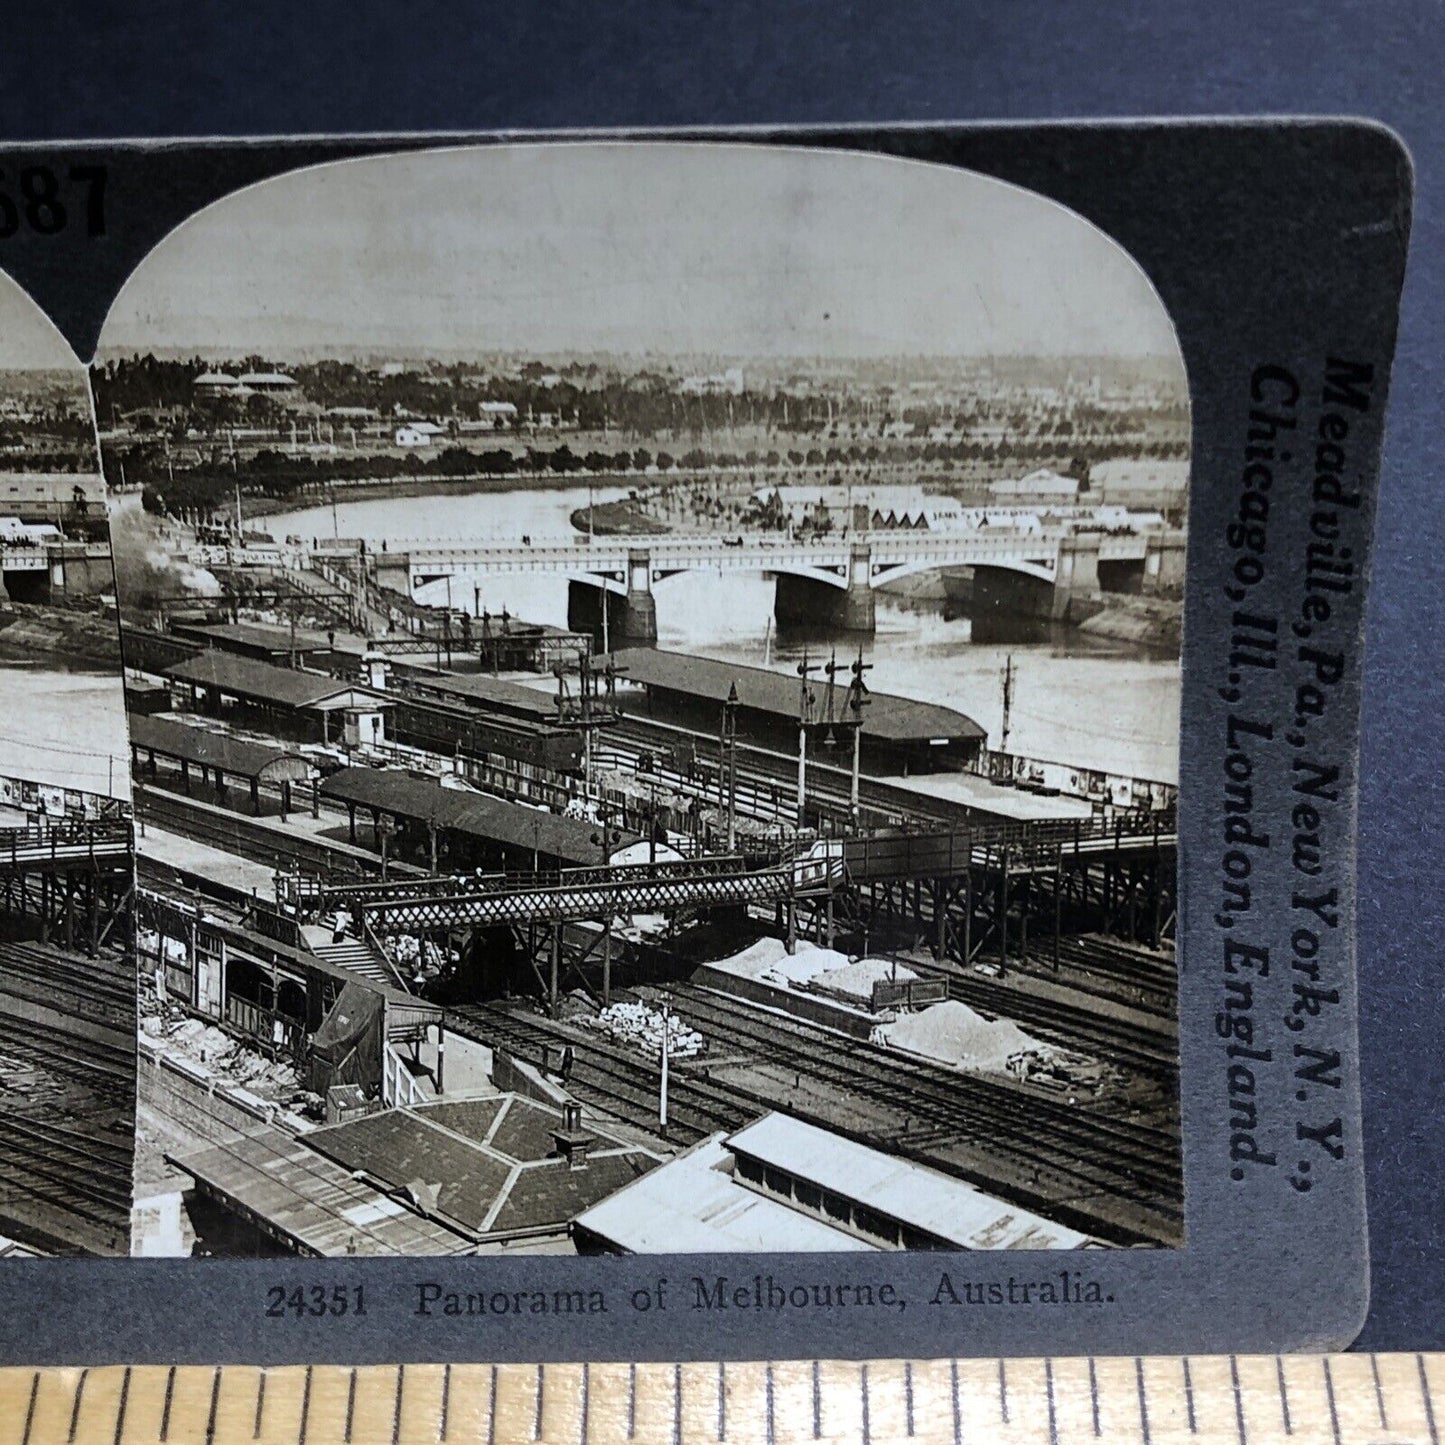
{"x":617,"y":898}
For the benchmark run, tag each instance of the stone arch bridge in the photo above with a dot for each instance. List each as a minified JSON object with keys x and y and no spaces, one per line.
{"x":1040,"y":573}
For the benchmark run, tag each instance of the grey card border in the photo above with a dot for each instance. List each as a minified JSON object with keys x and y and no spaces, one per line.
{"x":1274,"y":244}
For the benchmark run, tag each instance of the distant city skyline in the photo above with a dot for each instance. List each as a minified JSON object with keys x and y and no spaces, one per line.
{"x":635,"y":250}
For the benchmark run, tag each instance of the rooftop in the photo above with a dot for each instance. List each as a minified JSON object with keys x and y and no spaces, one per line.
{"x":207,"y":748}
{"x":261,"y":681}
{"x":489,"y":1164}
{"x":314,"y":1204}
{"x":693,"y":1205}
{"x":276,"y":640}
{"x":885,"y":718}
{"x":491,"y":693}
{"x":423,"y":798}
{"x":949,"y":1209}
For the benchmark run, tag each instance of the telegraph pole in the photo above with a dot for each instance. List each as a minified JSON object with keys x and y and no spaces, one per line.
{"x":1008,"y":701}
{"x":805,"y":668}
{"x":730,"y":765}
{"x":857,"y":700}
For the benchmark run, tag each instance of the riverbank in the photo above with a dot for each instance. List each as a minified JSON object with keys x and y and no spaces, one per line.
{"x":29,"y":631}
{"x":391,"y":489}
{"x":1152,"y":622}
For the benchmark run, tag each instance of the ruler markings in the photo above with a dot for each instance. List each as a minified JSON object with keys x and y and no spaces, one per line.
{"x":305,"y":1407}
{"x":75,"y":1406}
{"x":166,"y":1408}
{"x":1283,"y":1385}
{"x":1379,"y":1391}
{"x":1143,"y":1402}
{"x":121,"y":1407}
{"x":1425,"y":1396}
{"x":1330,"y":1396}
{"x":1352,"y":1400}
{"x":30,"y":1408}
{"x":1238,"y":1400}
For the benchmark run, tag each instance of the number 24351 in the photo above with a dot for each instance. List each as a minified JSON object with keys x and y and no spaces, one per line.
{"x":315,"y":1301}
{"x":46,"y":201}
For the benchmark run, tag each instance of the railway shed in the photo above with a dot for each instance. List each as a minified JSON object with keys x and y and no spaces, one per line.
{"x":298,"y":704}
{"x":899,"y":734}
{"x":456,"y":828}
{"x":217,"y":756}
{"x":463,"y":1176}
{"x":256,"y":641}
{"x":782,"y":1184}
{"x":306,"y":1204}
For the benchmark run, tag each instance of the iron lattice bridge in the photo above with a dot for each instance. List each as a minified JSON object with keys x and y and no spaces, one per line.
{"x":508,"y":899}
{"x":498,"y":900}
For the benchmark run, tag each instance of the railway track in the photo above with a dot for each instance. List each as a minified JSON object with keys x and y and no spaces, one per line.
{"x":1109,"y":969}
{"x":107,"y":1069}
{"x":1153,"y":1051}
{"x":1078,"y":1165}
{"x":1013,"y":1119}
{"x":621,"y":1081}
{"x":83,"y":1177}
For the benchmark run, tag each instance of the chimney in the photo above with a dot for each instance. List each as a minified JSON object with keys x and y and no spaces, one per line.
{"x":572,"y":1140}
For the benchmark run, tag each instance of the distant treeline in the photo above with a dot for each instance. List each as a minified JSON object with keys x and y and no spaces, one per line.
{"x":283,"y":477}
{"x":636,"y":404}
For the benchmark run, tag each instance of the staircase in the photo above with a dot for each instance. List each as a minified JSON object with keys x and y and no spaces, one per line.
{"x":360,"y":956}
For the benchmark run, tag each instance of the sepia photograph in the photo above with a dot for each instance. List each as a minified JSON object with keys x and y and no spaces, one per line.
{"x":653,"y":685}
{"x":67,"y":977}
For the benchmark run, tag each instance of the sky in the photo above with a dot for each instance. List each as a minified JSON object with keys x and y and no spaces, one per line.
{"x":666,"y":248}
{"x":28,"y":341}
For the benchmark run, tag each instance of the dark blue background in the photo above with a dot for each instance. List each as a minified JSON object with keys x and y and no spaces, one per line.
{"x":249,"y":67}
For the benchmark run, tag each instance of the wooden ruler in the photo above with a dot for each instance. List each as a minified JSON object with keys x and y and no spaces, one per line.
{"x":1245,"y":1400}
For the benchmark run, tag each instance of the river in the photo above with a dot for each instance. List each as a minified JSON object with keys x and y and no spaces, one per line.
{"x":1077,"y":699}
{"x":63,"y":726}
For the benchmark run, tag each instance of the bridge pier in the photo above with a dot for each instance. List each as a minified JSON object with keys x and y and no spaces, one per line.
{"x":806,"y":602}
{"x":639,"y":616}
{"x":1071,"y":596}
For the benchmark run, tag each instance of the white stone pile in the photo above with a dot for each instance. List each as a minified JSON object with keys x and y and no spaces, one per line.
{"x":641,"y":1027}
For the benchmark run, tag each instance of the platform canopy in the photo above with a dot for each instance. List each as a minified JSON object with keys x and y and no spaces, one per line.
{"x":886,"y":718}
{"x":280,"y":687}
{"x":423,"y":799}
{"x":202,"y":747}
